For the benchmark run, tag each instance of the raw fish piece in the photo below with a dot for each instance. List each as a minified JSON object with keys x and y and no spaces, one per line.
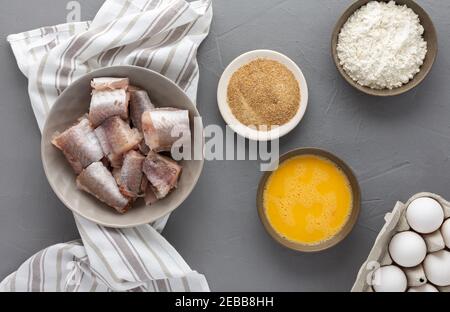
{"x":114,"y":160}
{"x":162,"y":173}
{"x":109,"y":83}
{"x":103,"y":139}
{"x":99,"y":182}
{"x":150,"y":196}
{"x":158,"y":125}
{"x":130,"y":178}
{"x":106,"y":104}
{"x":119,"y":136}
{"x":139,"y":103}
{"x":144,"y":183}
{"x":80,"y":145}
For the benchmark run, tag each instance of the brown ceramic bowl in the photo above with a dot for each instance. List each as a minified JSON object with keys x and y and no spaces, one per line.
{"x":429,"y":35}
{"x":347,"y":227}
{"x":72,"y":104}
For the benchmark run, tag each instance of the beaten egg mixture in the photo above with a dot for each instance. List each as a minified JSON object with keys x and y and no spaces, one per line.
{"x":308,"y":199}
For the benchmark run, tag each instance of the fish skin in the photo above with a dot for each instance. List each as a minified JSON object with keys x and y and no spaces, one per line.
{"x":139,"y":103}
{"x":120,"y":137}
{"x":158,"y":125}
{"x":98,"y":181}
{"x":114,"y":160}
{"x":106,"y":104}
{"x":130,"y":178}
{"x":162,"y":172}
{"x":103,"y":139}
{"x":80,"y":145}
{"x":109,"y":83}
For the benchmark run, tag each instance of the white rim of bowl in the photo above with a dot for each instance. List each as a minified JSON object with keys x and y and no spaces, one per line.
{"x":234,"y":123}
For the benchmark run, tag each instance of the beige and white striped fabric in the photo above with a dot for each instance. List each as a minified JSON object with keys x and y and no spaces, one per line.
{"x":162,"y":35}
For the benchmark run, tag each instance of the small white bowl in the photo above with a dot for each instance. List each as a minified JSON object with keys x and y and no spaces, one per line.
{"x":234,"y":123}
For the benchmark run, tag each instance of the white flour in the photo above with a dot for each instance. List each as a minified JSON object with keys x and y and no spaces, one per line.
{"x":381,"y":45}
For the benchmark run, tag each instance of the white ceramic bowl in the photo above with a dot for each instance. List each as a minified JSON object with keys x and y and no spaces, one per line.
{"x":234,"y":123}
{"x":73,"y":103}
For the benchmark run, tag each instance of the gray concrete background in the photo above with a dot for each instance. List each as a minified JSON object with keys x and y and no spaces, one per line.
{"x":397,"y":146}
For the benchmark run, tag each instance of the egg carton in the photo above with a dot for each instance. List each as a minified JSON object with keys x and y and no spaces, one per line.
{"x":379,"y":255}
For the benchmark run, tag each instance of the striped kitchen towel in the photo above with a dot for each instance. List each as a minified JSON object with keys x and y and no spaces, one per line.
{"x":162,"y":35}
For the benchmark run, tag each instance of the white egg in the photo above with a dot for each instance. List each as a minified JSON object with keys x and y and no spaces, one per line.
{"x":407,"y":249}
{"x":425,"y":215}
{"x":389,"y":279}
{"x":437,"y":268}
{"x":423,"y":288}
{"x":445,"y":231}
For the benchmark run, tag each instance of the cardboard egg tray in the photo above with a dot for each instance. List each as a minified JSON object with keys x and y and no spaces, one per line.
{"x":379,"y":255}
